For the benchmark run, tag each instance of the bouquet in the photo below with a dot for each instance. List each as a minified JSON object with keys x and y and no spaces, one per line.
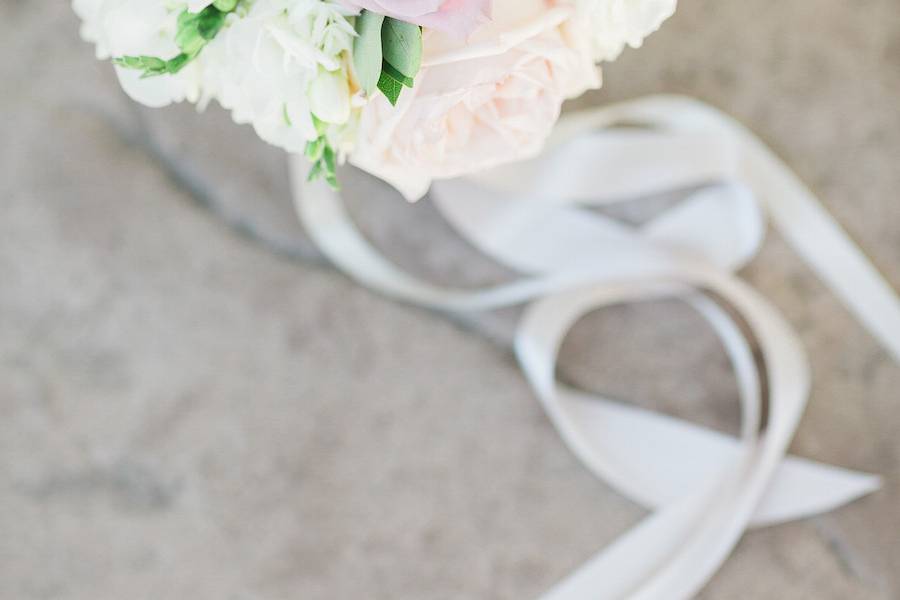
{"x":408,"y":90}
{"x":419,"y":90}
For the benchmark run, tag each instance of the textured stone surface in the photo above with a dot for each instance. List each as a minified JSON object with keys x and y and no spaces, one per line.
{"x":188,"y":413}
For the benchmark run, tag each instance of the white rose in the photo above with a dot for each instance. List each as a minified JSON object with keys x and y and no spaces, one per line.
{"x":491,"y":99}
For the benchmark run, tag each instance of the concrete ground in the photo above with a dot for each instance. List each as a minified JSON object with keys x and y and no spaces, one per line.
{"x":191,"y":406}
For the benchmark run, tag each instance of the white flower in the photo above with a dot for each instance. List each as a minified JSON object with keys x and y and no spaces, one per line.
{"x":613,"y":24}
{"x":136,"y":28}
{"x":284,"y":67}
{"x":281,"y":64}
{"x":478,"y":103}
{"x":277,"y":64}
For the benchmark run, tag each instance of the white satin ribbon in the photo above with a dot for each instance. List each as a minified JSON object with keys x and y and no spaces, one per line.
{"x":704,"y":487}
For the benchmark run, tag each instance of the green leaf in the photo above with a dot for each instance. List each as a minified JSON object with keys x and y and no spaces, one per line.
{"x":390,"y":87}
{"x":395,"y":74}
{"x":178,"y":63}
{"x":209,"y":22}
{"x":402,"y":46}
{"x":320,"y":125}
{"x":315,"y":150}
{"x":147,"y":64}
{"x":316,"y":171}
{"x":330,"y":162}
{"x":367,"y":55}
{"x":324,"y":162}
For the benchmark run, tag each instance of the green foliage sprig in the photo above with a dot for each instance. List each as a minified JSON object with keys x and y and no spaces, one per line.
{"x":322,"y":157}
{"x":387,"y":54}
{"x":195,"y":30}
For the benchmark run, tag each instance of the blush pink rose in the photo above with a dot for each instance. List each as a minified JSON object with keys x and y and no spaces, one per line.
{"x":480,"y":103}
{"x":458,"y":17}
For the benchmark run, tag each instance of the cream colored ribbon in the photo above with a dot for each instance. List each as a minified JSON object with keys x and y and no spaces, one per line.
{"x":704,"y":488}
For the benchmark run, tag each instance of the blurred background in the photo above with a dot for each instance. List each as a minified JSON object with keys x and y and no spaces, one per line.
{"x":194,"y":405}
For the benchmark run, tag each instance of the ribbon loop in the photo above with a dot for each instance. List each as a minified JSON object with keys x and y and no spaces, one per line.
{"x":539,"y":219}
